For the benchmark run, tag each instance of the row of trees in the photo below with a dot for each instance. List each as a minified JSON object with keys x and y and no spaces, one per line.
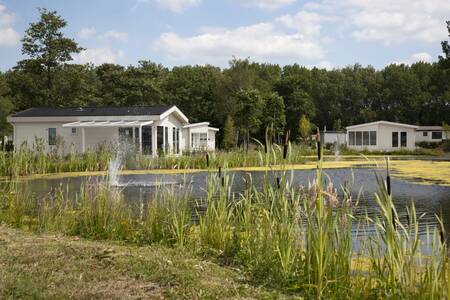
{"x":248,"y":95}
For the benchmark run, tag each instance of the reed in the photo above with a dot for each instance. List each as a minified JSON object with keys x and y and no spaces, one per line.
{"x":298,"y":239}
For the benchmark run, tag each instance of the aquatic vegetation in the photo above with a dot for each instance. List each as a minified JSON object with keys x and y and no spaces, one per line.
{"x":295,"y":239}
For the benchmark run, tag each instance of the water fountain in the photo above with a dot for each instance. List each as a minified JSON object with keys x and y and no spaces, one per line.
{"x":337,"y":150}
{"x":114,"y":166}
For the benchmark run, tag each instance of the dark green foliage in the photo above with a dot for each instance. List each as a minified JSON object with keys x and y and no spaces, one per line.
{"x":6,"y":106}
{"x":273,"y":113}
{"x":47,"y":48}
{"x":228,"y":140}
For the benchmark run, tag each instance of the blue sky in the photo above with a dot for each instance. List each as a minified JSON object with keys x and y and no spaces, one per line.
{"x":324,"y":33}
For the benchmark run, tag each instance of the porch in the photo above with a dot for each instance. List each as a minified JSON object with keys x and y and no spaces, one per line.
{"x":146,"y":136}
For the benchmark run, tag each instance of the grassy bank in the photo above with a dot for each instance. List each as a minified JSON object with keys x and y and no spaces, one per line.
{"x":45,"y":266}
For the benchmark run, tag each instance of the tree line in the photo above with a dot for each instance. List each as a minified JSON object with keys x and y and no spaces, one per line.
{"x":248,"y":96}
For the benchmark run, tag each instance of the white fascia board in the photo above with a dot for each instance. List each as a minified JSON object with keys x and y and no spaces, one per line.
{"x":121,"y":123}
{"x":382,"y":122}
{"x":204,"y":124}
{"x":81,"y":119}
{"x":213,"y":128}
{"x":176,"y":110}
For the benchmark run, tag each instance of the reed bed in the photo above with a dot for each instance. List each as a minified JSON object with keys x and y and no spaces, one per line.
{"x":33,"y":159}
{"x":297,"y":239}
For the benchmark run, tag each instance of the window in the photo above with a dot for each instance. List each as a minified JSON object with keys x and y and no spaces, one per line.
{"x":147,"y":140}
{"x":199,"y":140}
{"x":436,"y":135}
{"x":373,"y":138}
{"x":395,"y":139}
{"x":74,"y":131}
{"x":403,"y":139}
{"x":125,"y":134}
{"x":166,"y":140}
{"x":351,"y":138}
{"x":176,"y":140}
{"x":358,"y":138}
{"x":136,"y":137}
{"x":425,"y":133}
{"x":366,"y":138}
{"x":52,"y":136}
{"x":362,"y":138}
{"x":160,"y":137}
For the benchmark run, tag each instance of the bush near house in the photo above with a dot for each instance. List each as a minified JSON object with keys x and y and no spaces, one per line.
{"x":429,"y":145}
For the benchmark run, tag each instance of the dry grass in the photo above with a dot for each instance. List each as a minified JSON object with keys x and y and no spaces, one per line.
{"x":52,"y":266}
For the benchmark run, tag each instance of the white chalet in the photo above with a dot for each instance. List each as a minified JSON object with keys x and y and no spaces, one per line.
{"x":152,"y":129}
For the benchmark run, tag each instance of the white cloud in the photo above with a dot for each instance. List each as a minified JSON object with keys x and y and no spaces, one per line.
{"x":389,"y":21}
{"x":98,"y":56}
{"x":422,"y":56}
{"x":268,"y":4}
{"x":114,"y":35}
{"x":177,"y":6}
{"x":416,"y":57}
{"x":91,"y":32}
{"x":87,"y":33}
{"x":262,"y":41}
{"x":8,"y":36}
{"x":304,"y":22}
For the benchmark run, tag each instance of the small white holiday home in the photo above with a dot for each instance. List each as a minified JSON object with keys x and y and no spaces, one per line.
{"x":151,"y":129}
{"x":431,"y":134}
{"x":381,"y":136}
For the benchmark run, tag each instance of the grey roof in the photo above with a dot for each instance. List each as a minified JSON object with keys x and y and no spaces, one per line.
{"x":431,"y":128}
{"x":93,"y":111}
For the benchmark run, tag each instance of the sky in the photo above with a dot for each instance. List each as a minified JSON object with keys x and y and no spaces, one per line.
{"x":323,"y":33}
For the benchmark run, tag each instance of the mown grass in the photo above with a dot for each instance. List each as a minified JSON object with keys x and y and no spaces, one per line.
{"x":294,"y":240}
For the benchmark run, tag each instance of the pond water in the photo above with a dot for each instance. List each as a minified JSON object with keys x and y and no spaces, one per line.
{"x":429,"y":199}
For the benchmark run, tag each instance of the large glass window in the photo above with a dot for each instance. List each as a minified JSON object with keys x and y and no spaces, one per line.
{"x":373,"y":138}
{"x":403,"y":138}
{"x":126,"y":134}
{"x":351,"y":138}
{"x":436,"y":135}
{"x":147,"y":140}
{"x":176,"y":140}
{"x":166,"y":140}
{"x":52,"y":136}
{"x":358,"y":138}
{"x":395,"y":139}
{"x":362,"y":138}
{"x":160,"y":137}
{"x":366,"y":138}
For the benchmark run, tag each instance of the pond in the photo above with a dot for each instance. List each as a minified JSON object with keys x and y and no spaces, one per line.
{"x":430,"y":199}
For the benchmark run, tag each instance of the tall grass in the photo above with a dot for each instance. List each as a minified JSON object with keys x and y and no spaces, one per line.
{"x":297,"y":239}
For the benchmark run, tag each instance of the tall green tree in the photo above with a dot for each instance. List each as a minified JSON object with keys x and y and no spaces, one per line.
{"x":249,"y":113}
{"x":228,"y":140}
{"x":194,"y":89}
{"x":304,"y":128}
{"x":6,"y":106}
{"x":274,"y":114}
{"x":47,"y":46}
